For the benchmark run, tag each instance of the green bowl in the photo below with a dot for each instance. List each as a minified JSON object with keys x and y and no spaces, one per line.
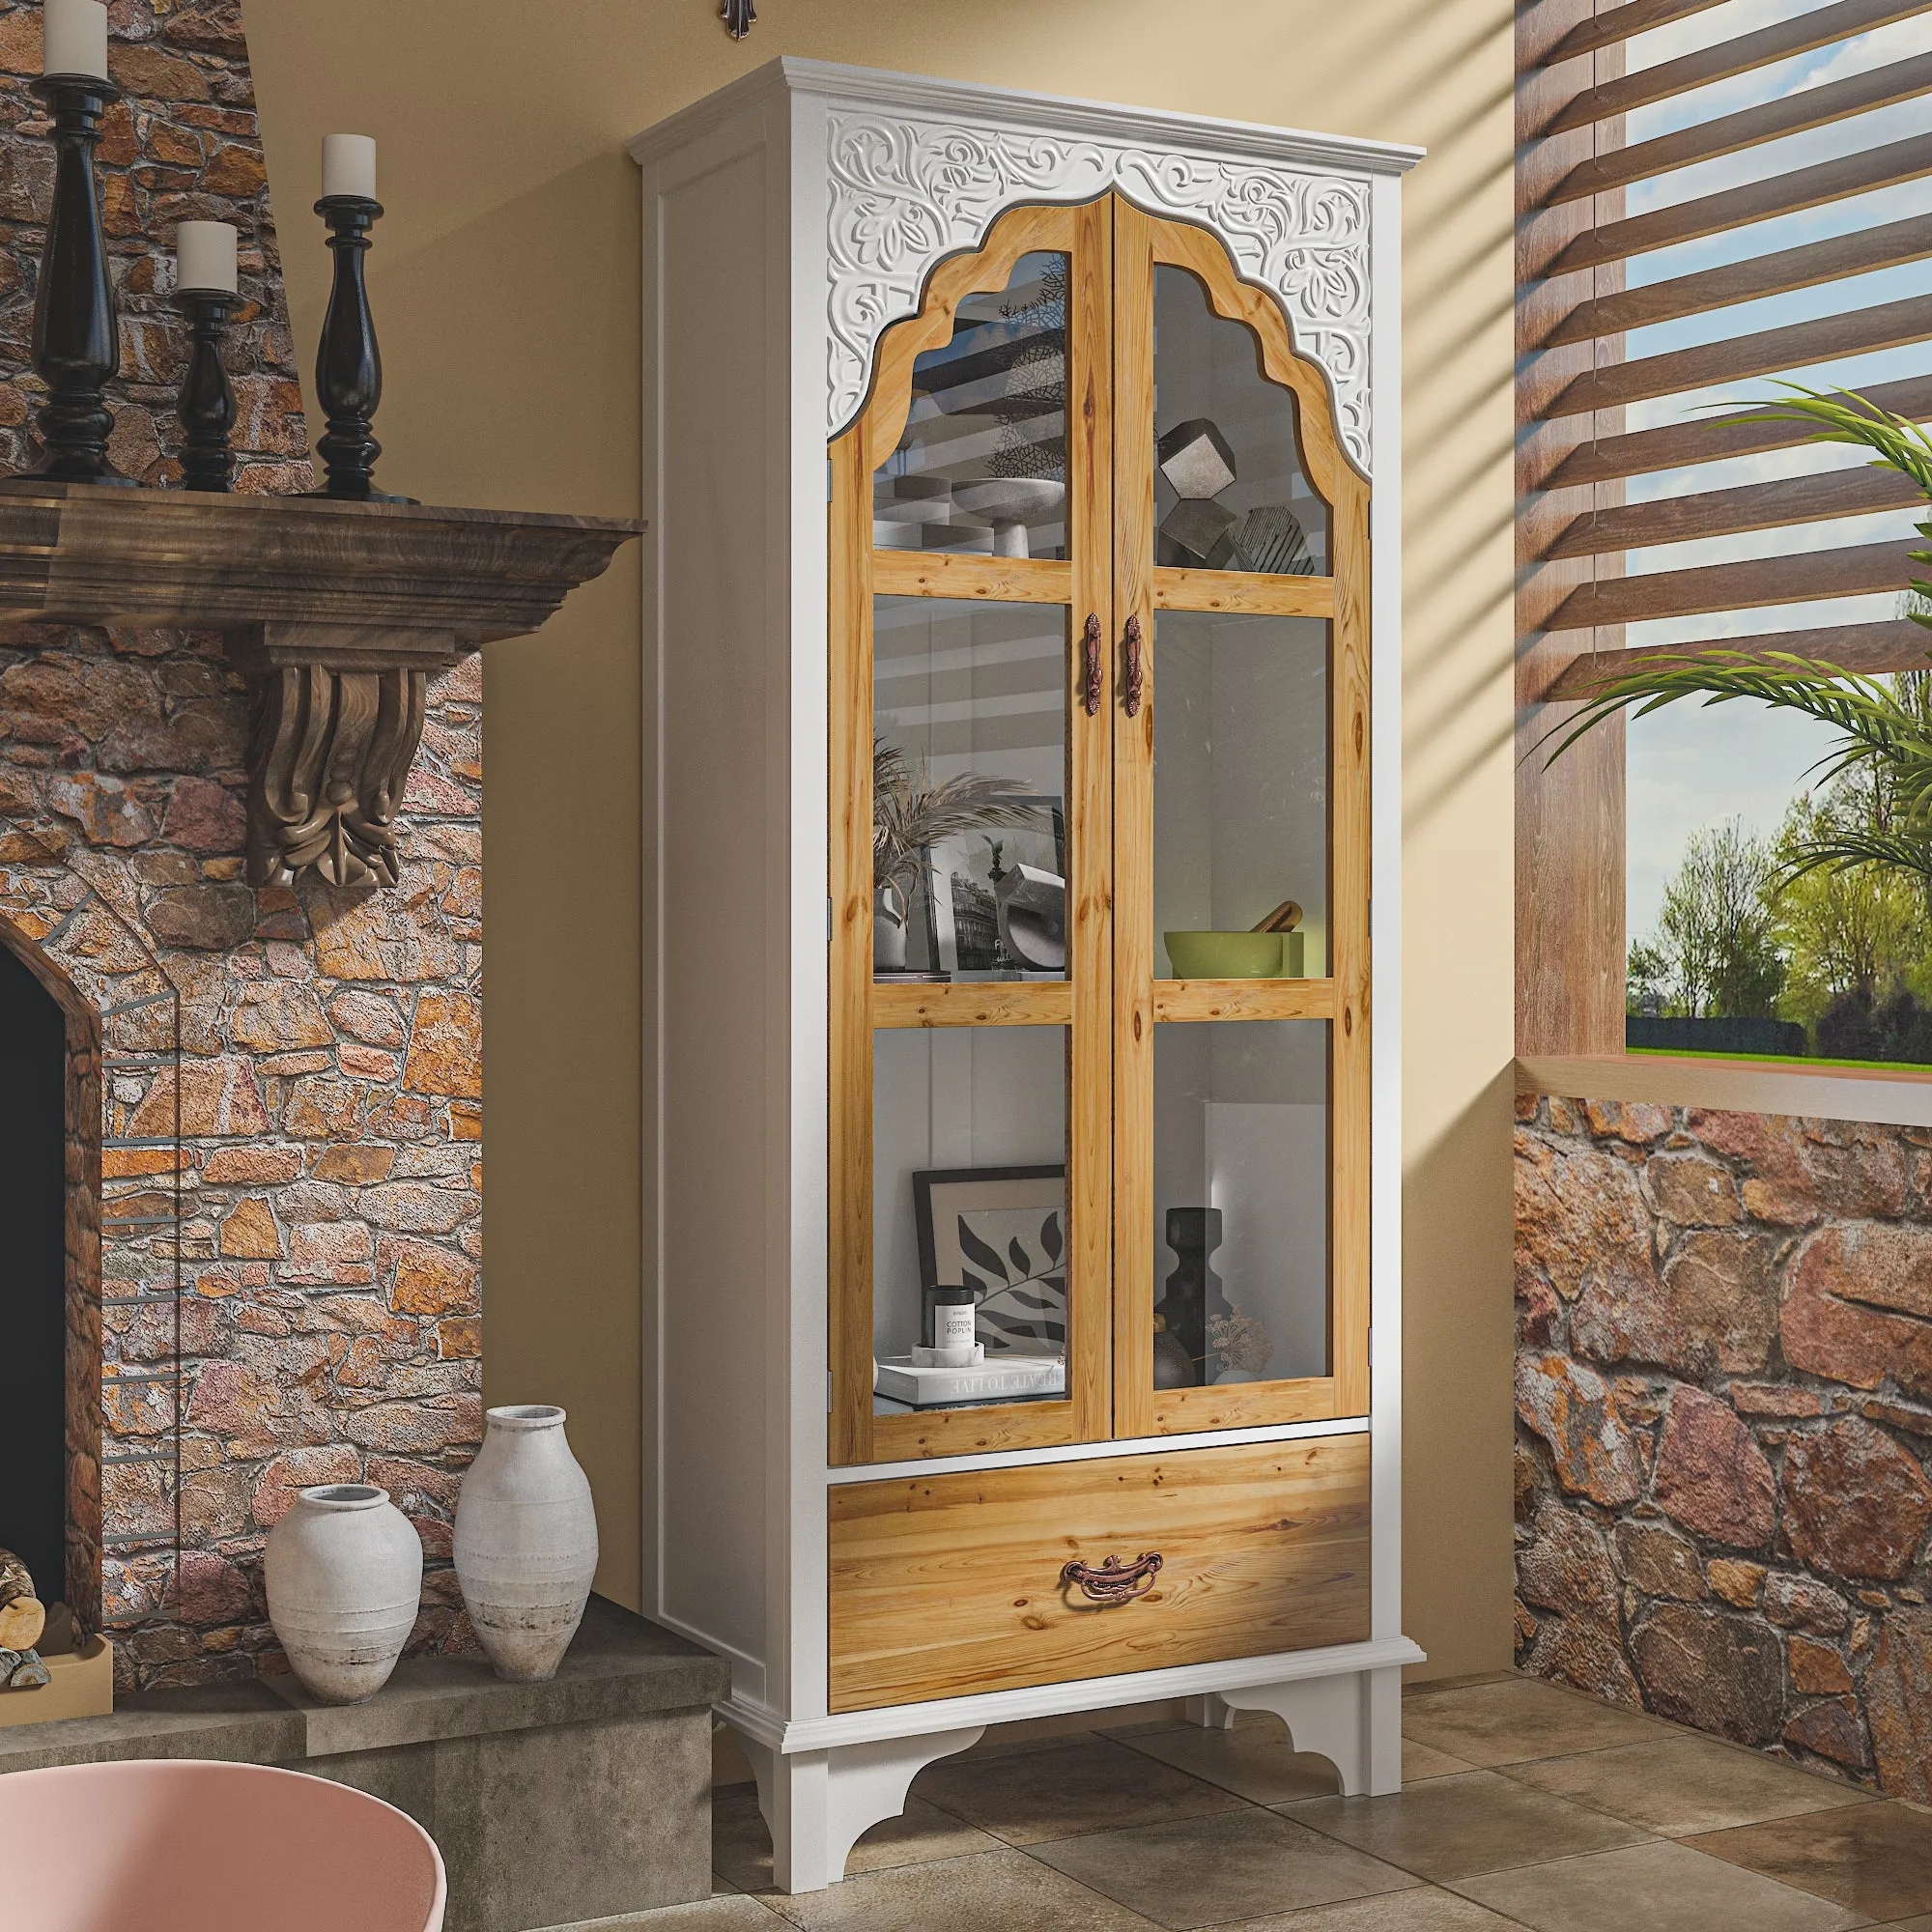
{"x":1224,"y":955}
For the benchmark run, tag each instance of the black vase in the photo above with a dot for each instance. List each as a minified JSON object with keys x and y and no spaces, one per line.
{"x":1172,"y":1369}
{"x":1193,"y":1296}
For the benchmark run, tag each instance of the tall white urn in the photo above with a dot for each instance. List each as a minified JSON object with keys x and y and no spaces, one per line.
{"x":345,"y":1571}
{"x":525,"y":1541}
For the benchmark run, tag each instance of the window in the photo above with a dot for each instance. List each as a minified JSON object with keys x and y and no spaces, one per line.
{"x":1713,"y":195}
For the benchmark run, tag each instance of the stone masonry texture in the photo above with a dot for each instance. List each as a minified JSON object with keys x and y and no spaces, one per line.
{"x":291,"y":1221}
{"x":1724,"y":1400}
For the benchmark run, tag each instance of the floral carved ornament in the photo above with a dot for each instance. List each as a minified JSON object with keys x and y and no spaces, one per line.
{"x":906,"y":194}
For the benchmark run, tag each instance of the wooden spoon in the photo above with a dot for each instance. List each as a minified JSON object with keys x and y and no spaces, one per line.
{"x":1285,"y":918}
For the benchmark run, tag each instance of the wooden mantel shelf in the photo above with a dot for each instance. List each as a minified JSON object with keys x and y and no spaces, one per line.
{"x":338,"y":611}
{"x":85,"y":553}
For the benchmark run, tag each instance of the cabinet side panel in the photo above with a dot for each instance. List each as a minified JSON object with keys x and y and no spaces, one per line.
{"x":718,"y":941}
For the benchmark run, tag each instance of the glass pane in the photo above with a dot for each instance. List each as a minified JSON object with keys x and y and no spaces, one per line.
{"x":983,"y":462}
{"x":1241,"y":1193}
{"x":968,"y":1215}
{"x":969,"y":761}
{"x":1230,"y":489}
{"x":1240,"y":796}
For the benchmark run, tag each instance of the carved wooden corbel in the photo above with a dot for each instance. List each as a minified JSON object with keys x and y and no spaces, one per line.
{"x":335,"y":731}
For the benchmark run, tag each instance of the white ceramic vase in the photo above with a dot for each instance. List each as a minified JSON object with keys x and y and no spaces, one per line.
{"x":888,"y":930}
{"x":345,"y":1575}
{"x":525,"y":1541}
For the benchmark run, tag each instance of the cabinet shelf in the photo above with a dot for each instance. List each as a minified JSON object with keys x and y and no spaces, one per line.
{"x":974,"y":1003}
{"x":1236,"y":592}
{"x":337,"y":613}
{"x":1244,"y":998}
{"x":966,"y":1004}
{"x":1000,"y":580}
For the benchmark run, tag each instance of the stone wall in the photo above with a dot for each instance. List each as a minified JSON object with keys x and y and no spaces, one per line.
{"x":290,"y":1224}
{"x":1723,"y":1419}
{"x":181,"y":145}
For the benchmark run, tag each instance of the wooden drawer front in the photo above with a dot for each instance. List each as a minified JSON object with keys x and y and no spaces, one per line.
{"x":945,"y":1585}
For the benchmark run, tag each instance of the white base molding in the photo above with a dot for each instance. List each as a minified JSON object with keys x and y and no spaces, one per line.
{"x":1080,"y":1693}
{"x":818,"y":1804}
{"x":823,"y":1782}
{"x":1355,"y":1722}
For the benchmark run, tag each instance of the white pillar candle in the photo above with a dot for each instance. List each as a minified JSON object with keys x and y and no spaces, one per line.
{"x":348,"y":165}
{"x":205,"y":256}
{"x":74,"y":38}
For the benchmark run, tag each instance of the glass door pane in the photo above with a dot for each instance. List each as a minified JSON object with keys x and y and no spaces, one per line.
{"x":1230,"y":489}
{"x":1239,"y":861}
{"x":981,"y":466}
{"x":970,"y":1214}
{"x":1241,"y":1203}
{"x":969,"y":789}
{"x":970,"y":1050}
{"x":1240,"y":796}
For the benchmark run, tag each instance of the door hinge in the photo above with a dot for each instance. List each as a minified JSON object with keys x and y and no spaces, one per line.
{"x":828,"y":1391}
{"x":828,"y":919}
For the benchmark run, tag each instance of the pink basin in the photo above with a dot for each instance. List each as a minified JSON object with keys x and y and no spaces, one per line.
{"x":182,"y":1846}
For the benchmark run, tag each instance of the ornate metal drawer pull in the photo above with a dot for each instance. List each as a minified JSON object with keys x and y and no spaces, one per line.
{"x":1113,"y":1581}
{"x":1136,"y":682}
{"x":1090,"y":675}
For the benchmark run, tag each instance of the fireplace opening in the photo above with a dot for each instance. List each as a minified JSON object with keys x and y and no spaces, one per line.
{"x":33,"y":1275}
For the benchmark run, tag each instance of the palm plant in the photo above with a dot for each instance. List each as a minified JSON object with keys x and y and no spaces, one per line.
{"x":912,"y":812}
{"x":1885,"y":731}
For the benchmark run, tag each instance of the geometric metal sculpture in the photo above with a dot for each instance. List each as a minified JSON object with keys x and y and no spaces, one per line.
{"x":1270,"y":540}
{"x":1197,"y":464}
{"x":1198,"y":531}
{"x":1195,"y":459}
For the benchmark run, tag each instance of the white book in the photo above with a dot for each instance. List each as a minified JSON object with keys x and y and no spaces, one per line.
{"x":902,"y":1380}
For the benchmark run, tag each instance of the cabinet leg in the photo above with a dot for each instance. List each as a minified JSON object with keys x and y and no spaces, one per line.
{"x":1211,"y":1711}
{"x":819,"y":1804}
{"x":1353,"y":1722}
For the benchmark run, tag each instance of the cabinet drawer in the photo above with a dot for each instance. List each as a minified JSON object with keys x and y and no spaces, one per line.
{"x":947,"y":1584}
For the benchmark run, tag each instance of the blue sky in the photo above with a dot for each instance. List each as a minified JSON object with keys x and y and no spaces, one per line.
{"x":1691,"y":767}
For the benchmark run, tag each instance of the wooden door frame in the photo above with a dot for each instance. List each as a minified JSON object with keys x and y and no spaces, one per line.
{"x":1141,"y":242}
{"x":1080,"y":1004}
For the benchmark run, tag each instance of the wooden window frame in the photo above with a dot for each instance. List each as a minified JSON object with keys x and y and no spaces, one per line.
{"x":1573,"y":380}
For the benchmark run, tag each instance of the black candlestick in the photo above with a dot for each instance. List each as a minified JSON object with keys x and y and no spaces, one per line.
{"x":206,"y":405}
{"x":347,"y":364}
{"x":77,"y":338}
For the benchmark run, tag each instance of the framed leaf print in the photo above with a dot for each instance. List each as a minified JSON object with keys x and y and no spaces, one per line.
{"x":999,"y":1231}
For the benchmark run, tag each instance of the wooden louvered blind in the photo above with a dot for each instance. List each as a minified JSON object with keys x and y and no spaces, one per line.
{"x":1708,"y":193}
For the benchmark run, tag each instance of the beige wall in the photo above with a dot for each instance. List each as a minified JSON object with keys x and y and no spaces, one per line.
{"x":506,"y":284}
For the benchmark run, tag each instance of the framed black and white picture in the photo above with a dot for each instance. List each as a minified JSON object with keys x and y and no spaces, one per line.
{"x":999,"y":1231}
{"x":963,"y":881}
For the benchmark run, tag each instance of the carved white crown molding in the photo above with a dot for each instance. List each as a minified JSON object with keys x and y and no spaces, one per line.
{"x":906,"y":192}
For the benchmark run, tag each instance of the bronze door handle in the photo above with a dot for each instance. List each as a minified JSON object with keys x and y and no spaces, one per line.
{"x":1090,"y":674}
{"x":1136,"y":680}
{"x":1113,"y":1581}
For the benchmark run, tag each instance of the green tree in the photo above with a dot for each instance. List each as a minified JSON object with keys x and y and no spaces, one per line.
{"x":1714,"y":955}
{"x":1854,"y":930}
{"x":1647,"y":978}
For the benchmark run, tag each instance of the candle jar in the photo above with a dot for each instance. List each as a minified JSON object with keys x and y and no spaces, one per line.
{"x":955,"y":1319}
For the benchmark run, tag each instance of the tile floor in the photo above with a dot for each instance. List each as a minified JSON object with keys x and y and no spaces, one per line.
{"x":1525,"y":1805}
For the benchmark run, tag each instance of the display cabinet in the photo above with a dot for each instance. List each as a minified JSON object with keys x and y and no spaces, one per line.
{"x":1021,"y":1004}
